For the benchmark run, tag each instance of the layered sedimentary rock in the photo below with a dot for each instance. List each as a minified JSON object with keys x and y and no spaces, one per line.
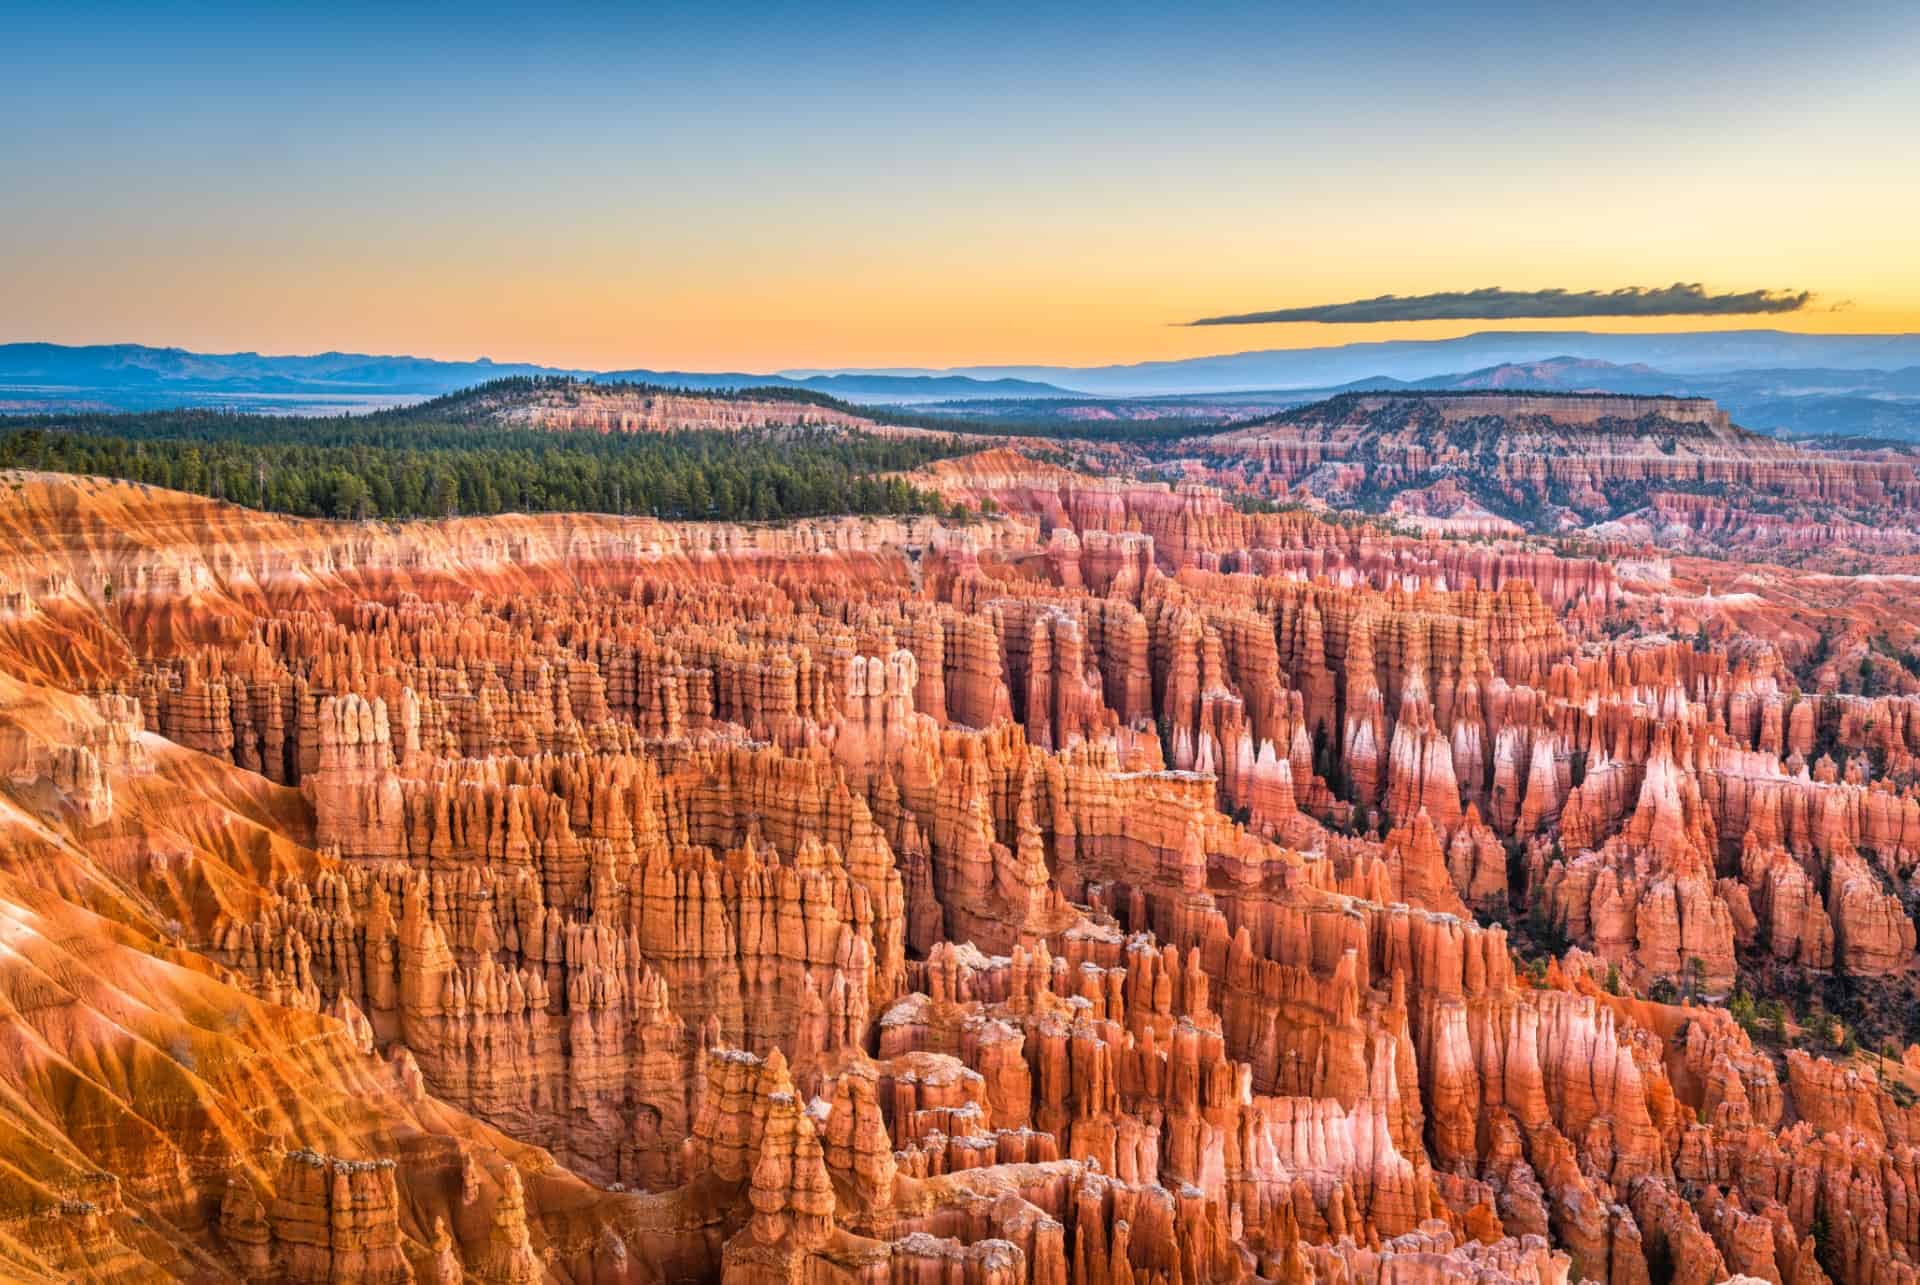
{"x":1590,"y":458}
{"x":590,"y":407}
{"x":1117,"y":890}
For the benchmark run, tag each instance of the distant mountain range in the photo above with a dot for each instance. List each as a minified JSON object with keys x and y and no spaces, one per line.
{"x":1801,"y":402}
{"x":1689,"y":353}
{"x":135,"y":377}
{"x":1770,"y":380}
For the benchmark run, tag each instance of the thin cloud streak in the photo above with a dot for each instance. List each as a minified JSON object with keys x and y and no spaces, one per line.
{"x":1492,"y":303}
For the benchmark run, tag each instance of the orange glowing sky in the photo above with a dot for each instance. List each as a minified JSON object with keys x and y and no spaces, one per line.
{"x":714,"y":190}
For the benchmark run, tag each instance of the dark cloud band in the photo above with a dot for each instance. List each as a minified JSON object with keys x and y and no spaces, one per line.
{"x":1493,"y":303}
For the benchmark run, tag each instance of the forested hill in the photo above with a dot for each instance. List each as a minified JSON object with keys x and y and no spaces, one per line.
{"x":457,"y":455}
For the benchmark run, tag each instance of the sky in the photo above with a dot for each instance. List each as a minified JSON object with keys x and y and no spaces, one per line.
{"x":762,"y":187}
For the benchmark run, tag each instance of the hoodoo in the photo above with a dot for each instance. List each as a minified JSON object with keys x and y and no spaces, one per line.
{"x":1102,"y":882}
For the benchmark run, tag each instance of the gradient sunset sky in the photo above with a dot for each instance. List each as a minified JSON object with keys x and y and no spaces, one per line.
{"x":759,"y":187}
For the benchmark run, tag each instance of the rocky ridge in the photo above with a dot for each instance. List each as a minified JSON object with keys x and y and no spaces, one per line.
{"x":1671,"y":467}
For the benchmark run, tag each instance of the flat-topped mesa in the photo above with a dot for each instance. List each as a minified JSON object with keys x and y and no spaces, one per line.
{"x":1557,"y":461}
{"x":1561,"y":408}
{"x":615,"y":409}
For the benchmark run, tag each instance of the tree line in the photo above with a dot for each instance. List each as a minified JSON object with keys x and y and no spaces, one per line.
{"x":353,"y":468}
{"x":998,"y":417}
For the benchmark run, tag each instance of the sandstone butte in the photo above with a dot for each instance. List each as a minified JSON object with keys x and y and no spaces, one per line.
{"x":1625,"y":470}
{"x":1109,"y":891}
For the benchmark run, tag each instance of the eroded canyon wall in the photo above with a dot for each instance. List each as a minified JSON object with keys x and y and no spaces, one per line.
{"x":1110,"y":891}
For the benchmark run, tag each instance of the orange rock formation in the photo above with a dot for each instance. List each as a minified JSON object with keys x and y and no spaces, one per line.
{"x":1084,"y":895}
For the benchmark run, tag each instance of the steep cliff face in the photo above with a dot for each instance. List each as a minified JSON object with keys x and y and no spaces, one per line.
{"x":1672,"y":467}
{"x":614,"y":409}
{"x":1112,"y":891}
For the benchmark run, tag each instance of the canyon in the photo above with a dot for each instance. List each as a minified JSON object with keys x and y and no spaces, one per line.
{"x":1153,"y":871}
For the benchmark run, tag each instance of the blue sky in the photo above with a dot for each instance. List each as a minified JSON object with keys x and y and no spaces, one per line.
{"x":781,"y":185}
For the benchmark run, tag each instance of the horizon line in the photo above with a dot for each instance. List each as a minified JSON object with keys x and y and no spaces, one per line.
{"x":922,"y":371}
